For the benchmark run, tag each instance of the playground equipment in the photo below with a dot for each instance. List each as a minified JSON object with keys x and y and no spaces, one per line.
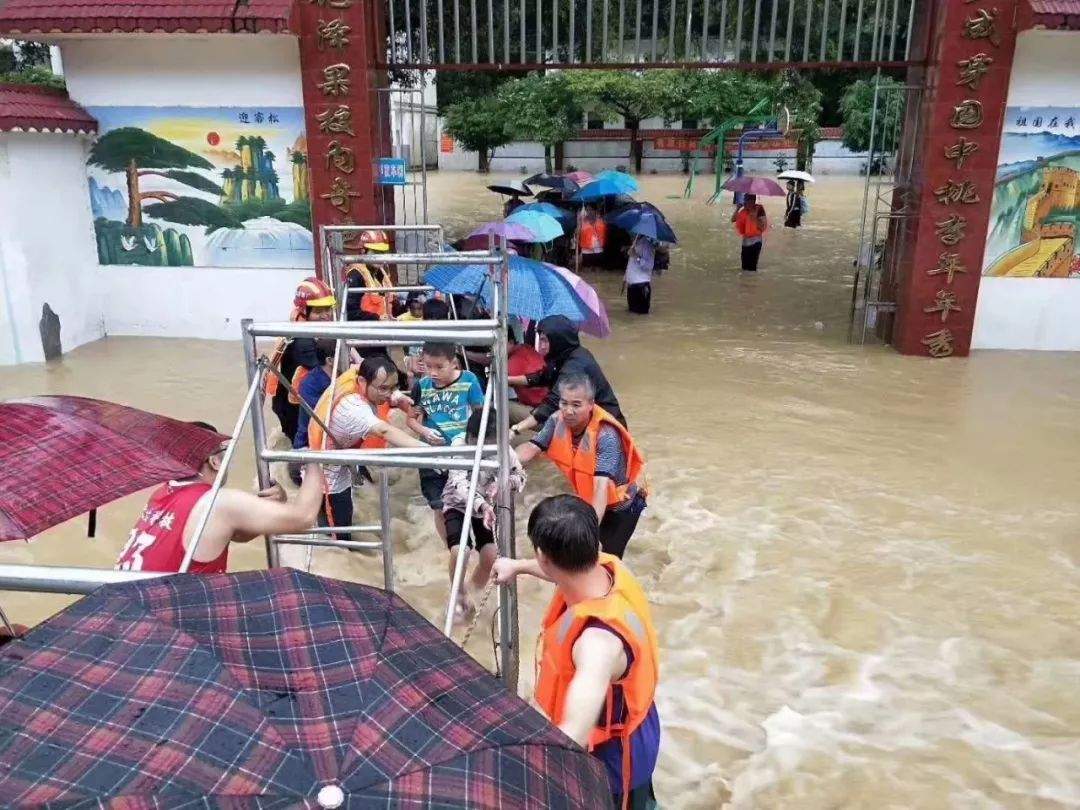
{"x":761,"y":122}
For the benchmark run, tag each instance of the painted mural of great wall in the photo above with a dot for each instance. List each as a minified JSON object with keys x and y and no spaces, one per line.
{"x":1035,"y":217}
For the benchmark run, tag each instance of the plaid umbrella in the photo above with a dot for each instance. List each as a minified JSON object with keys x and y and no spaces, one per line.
{"x":269,"y":689}
{"x":63,"y":456}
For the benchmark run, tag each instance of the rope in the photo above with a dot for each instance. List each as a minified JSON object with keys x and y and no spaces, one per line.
{"x":488,"y":590}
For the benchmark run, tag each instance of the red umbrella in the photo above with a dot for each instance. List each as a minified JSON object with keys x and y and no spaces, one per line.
{"x":761,"y":186}
{"x":63,"y":456}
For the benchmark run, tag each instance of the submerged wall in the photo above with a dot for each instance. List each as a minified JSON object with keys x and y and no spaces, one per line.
{"x":1018,"y":310}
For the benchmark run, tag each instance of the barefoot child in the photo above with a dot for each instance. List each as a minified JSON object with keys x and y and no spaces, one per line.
{"x":455,"y":500}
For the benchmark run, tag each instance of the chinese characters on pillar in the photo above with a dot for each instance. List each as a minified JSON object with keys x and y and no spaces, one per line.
{"x":959,"y":190}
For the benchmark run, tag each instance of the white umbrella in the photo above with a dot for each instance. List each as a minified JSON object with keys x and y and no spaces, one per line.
{"x":795,"y":174}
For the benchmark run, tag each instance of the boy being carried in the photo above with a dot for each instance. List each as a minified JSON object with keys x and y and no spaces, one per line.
{"x":445,"y":398}
{"x":455,"y":500}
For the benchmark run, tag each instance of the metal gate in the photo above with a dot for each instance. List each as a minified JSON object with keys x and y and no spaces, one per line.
{"x":413,"y":128}
{"x":888,"y":211}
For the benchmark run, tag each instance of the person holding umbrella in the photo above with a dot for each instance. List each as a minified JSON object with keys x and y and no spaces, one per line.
{"x":640,"y":263}
{"x":793,"y":208}
{"x":750,"y":223}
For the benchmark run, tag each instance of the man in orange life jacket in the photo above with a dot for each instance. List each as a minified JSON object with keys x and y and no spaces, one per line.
{"x":167,"y":526}
{"x":751,"y":224}
{"x":599,"y":458}
{"x":599,"y":668}
{"x":362,"y":399}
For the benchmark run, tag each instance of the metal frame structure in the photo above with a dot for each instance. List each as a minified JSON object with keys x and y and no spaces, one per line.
{"x":741,"y":34}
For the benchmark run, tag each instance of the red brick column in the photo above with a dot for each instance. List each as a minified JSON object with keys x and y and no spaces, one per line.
{"x":966,"y":85}
{"x":347,"y":118}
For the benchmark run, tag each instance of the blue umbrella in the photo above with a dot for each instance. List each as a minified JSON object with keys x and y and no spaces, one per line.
{"x":545,"y":226}
{"x":626,"y":183}
{"x":536,"y":290}
{"x":565,"y":217}
{"x":598,"y":189}
{"x":644,"y":219}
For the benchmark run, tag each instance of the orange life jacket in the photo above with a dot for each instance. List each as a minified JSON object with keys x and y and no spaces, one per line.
{"x":625,"y":611}
{"x":746,"y":224}
{"x":578,"y":464}
{"x":347,"y":384}
{"x":298,"y":377}
{"x":270,"y":381}
{"x":593,"y":235}
{"x":376,"y":304}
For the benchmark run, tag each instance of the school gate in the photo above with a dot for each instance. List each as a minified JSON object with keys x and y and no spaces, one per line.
{"x":924,"y":220}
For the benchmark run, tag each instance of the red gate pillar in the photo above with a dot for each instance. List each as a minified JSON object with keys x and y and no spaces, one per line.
{"x":966,"y":81}
{"x":346,"y":117}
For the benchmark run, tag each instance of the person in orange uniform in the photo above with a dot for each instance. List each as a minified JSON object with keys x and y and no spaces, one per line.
{"x":592,"y":235}
{"x":356,"y":409}
{"x":360,"y":275}
{"x":599,"y":458}
{"x":751,"y":224}
{"x":599,"y":668}
{"x":166,"y":527}
{"x":314,"y":301}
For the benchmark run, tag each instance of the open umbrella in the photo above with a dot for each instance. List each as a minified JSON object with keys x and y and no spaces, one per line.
{"x":579,"y":177}
{"x":556,"y":182}
{"x":505,"y":230}
{"x":643,"y":218}
{"x":597,"y":321}
{"x":544,"y":226}
{"x":536,"y":290}
{"x":63,"y":456}
{"x":599,"y":189}
{"x":795,"y":174}
{"x":565,"y":218}
{"x":626,"y":183}
{"x":269,"y":689}
{"x":511,"y":189}
{"x":762,"y":186}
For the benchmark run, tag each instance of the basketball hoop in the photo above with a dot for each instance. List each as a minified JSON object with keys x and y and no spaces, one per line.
{"x":783,"y":121}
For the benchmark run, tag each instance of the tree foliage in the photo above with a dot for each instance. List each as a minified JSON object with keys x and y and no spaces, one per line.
{"x":542,"y":108}
{"x":194,"y":211}
{"x":794,"y":90}
{"x":480,"y":125}
{"x":118,"y":148}
{"x":857,"y":107}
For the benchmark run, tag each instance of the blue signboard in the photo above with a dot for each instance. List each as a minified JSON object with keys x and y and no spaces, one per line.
{"x":391,"y":171}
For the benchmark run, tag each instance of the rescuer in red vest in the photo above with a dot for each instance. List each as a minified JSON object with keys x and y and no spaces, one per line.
{"x":599,"y":668}
{"x":166,"y":527}
{"x":598,"y":457}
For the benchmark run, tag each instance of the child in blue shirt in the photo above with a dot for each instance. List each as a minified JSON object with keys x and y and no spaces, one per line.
{"x":445,"y":398}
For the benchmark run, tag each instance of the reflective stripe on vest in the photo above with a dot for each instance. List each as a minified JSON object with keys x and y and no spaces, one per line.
{"x":578,"y":464}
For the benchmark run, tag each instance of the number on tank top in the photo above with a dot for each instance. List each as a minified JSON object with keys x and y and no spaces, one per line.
{"x":132,"y":558}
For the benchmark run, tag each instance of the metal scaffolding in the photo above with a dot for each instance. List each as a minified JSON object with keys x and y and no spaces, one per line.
{"x":474,"y":458}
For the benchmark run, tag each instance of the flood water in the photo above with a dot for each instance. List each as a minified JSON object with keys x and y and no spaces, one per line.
{"x":864,"y":567}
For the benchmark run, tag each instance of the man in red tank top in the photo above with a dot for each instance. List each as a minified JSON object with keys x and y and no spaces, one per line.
{"x":167,"y":526}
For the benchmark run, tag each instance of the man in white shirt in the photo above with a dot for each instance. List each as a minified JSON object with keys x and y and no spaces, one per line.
{"x":640,"y":262}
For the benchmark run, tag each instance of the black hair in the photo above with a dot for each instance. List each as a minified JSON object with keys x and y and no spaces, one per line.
{"x":371,"y":366}
{"x":472,"y":428}
{"x":565,"y":528}
{"x":577,"y":380}
{"x":435,"y":348}
{"x":413,"y":297}
{"x":204,"y":426}
{"x":436,"y":310}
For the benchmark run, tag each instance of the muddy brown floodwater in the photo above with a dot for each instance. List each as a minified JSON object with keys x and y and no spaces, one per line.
{"x":864,"y":566}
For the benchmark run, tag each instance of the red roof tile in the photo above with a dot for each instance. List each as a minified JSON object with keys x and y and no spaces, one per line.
{"x":1056,"y":13}
{"x":24,"y":17}
{"x":31,"y":107}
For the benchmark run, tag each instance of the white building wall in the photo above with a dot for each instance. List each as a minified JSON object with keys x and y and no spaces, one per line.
{"x":1034,"y":313}
{"x":47,"y":250}
{"x":187,"y":71}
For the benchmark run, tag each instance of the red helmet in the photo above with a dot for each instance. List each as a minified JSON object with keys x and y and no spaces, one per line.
{"x":313,"y":292}
{"x":375,"y":241}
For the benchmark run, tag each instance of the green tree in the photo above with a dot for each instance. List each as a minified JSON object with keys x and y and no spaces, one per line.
{"x":543,"y":109}
{"x":795,"y":91}
{"x":480,"y":125}
{"x":632,"y":95}
{"x":712,"y":96}
{"x":857,"y":107}
{"x":137,"y":153}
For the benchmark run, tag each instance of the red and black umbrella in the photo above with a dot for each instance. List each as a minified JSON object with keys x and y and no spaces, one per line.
{"x":269,"y":689}
{"x":63,"y":456}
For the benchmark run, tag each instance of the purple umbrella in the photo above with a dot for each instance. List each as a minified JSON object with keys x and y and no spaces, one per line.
{"x":762,"y":186}
{"x":597,"y":322}
{"x":505,"y":230}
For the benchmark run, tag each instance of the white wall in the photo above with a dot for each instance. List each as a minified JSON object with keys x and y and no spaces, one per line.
{"x":47,"y":249}
{"x":189,"y":71}
{"x":1034,"y":313}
